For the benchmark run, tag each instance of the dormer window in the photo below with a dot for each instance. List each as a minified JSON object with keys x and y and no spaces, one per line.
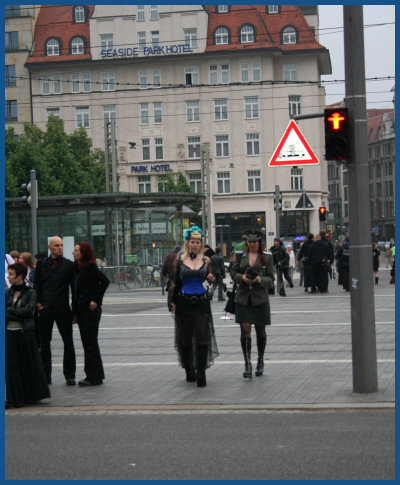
{"x":77,"y":45}
{"x":221,"y":36}
{"x":289,"y":35}
{"x":246,"y":34}
{"x":273,"y":8}
{"x":222,"y":8}
{"x":79,"y":14}
{"x":53,"y":47}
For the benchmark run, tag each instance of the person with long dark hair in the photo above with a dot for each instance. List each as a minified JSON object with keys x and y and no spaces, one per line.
{"x":195,"y":340}
{"x":253,"y":273}
{"x":26,"y":380}
{"x":88,"y":288}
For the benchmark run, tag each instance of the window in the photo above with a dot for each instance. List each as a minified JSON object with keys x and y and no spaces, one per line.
{"x":53,"y":111}
{"x":77,"y":46}
{"x":11,"y":78}
{"x":144,"y":182}
{"x":54,"y":82}
{"x":142,"y":79}
{"x":75,"y":82}
{"x":11,"y":41}
{"x":153,"y":12}
{"x":225,"y":74}
{"x":156,"y":78}
{"x":294,"y":105}
{"x":378,"y":171}
{"x":109,"y":113}
{"x":193,"y":110}
{"x":108,"y":81}
{"x":213,"y":74}
{"x":157,"y":112}
{"x":155,"y":38}
{"x":296,"y":178}
{"x":289,"y":35}
{"x":252,"y":143}
{"x":244,"y":72}
{"x":145,"y":149}
{"x":251,"y":107}
{"x":256,"y":71}
{"x":273,"y":8}
{"x":53,"y":47}
{"x":11,"y":110}
{"x":221,"y":36}
{"x":246,"y":34}
{"x":195,"y":182}
{"x":142,"y":40}
{"x":192,"y":75}
{"x":86,"y":76}
{"x":57,"y":84}
{"x":45,"y":85}
{"x":254,"y":181}
{"x":379,"y":189}
{"x":250,"y":72}
{"x":106,"y":41}
{"x":222,"y":146}
{"x":162,"y":183}
{"x":223,"y":183}
{"x":194,"y":150}
{"x":82,"y":117}
{"x":79,"y":14}
{"x":159,"y":148}
{"x":144,"y":113}
{"x":190,"y":36}
{"x":140,"y":13}
{"x":12,"y":11}
{"x":220,"y":109}
{"x":290,"y":72}
{"x":222,"y":8}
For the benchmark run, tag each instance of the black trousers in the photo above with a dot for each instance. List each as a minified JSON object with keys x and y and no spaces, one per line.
{"x":63,"y":319}
{"x":321,"y":277}
{"x":88,"y":322}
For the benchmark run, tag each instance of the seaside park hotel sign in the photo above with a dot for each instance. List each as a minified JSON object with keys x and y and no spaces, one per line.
{"x":159,"y":50}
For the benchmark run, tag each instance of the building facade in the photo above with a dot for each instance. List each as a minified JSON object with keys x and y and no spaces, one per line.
{"x":19,"y":30}
{"x":203,"y":90}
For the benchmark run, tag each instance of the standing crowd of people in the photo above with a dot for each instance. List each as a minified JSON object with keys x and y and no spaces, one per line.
{"x":58,"y":290}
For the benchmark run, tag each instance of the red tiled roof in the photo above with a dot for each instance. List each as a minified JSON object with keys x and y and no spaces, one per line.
{"x":57,"y":21}
{"x":268,"y":27}
{"x":374,"y":122}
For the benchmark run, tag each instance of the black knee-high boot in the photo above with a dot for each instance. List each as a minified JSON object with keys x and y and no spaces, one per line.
{"x":202,"y":353}
{"x":187,"y":361}
{"x":246,"y":347}
{"x":261,"y":343}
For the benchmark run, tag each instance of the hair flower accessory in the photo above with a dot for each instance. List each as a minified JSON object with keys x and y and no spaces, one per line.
{"x":193,"y":230}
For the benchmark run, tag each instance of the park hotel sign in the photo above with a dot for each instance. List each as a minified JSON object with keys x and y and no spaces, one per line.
{"x":160,"y":50}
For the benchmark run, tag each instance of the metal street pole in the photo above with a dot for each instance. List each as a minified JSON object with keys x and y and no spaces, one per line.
{"x":34,"y":206}
{"x":107,"y":210}
{"x":115,"y":188}
{"x":277,"y":211}
{"x":362,"y":292}
{"x":208,"y":195}
{"x":203,"y":190}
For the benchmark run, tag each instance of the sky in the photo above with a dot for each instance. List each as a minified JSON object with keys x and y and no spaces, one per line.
{"x":379,"y":51}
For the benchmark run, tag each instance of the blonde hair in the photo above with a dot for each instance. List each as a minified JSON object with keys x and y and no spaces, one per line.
{"x":193,"y":235}
{"x":27,"y":259}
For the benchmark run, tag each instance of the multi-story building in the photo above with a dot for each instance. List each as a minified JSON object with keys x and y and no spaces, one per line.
{"x":19,"y":29}
{"x":203,"y":90}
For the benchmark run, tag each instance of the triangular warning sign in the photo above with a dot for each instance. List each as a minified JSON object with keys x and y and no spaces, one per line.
{"x":293,"y":149}
{"x":304,"y":202}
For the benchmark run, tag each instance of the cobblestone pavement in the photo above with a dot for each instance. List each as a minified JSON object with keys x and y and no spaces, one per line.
{"x":308,"y":357}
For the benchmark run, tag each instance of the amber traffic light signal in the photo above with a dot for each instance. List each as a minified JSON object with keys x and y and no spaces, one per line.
{"x":322,"y":213}
{"x":336,"y":134}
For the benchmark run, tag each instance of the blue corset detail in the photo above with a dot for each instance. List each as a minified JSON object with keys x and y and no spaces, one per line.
{"x":193,"y":285}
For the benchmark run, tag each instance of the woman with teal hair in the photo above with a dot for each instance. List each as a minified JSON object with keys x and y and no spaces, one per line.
{"x":187,"y":296}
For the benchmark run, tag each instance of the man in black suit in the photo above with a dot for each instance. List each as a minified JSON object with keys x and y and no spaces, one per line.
{"x":53,"y":278}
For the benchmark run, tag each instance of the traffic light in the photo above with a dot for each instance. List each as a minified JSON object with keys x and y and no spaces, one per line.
{"x":322,"y":213}
{"x":337,"y":144}
{"x":27,"y":198}
{"x":278,"y":201}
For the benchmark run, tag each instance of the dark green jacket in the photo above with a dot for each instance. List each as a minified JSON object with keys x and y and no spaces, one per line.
{"x":258,"y":291}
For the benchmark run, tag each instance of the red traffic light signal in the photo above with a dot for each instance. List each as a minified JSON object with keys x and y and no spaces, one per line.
{"x":322,"y":213}
{"x":336,"y":134}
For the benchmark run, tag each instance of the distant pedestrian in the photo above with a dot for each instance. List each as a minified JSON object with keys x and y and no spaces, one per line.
{"x":281,"y":263}
{"x":376,"y":261}
{"x":26,"y":259}
{"x":321,"y":255}
{"x":292,"y":262}
{"x":343,"y":261}
{"x":88,"y":288}
{"x":53,"y":278}
{"x":304,"y":259}
{"x":25,"y":378}
{"x":168,"y":265}
{"x":218,"y":271}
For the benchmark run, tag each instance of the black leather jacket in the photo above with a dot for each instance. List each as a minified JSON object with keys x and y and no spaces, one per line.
{"x":23,"y":310}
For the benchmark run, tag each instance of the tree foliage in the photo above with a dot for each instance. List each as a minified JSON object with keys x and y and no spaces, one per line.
{"x":65,"y":164}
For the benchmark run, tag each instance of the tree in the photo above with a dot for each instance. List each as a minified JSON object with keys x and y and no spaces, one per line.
{"x":64,"y":164}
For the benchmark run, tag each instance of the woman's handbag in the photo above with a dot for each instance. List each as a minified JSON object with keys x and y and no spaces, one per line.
{"x":230,"y":304}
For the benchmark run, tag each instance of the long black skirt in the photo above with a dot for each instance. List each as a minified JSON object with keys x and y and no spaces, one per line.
{"x":194,"y":326}
{"x":25,"y":378}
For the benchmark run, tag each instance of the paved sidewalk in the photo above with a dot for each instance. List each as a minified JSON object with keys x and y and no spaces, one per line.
{"x":308,"y":357}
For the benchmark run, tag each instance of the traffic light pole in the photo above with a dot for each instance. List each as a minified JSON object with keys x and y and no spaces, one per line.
{"x":362,"y":291}
{"x":34,"y":201}
{"x":277,"y":210}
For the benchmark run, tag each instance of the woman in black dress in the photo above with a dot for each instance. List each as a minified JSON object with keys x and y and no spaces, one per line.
{"x":25,"y":378}
{"x":194,"y":330}
{"x":376,"y":261}
{"x":88,"y":288}
{"x":253,"y":273}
